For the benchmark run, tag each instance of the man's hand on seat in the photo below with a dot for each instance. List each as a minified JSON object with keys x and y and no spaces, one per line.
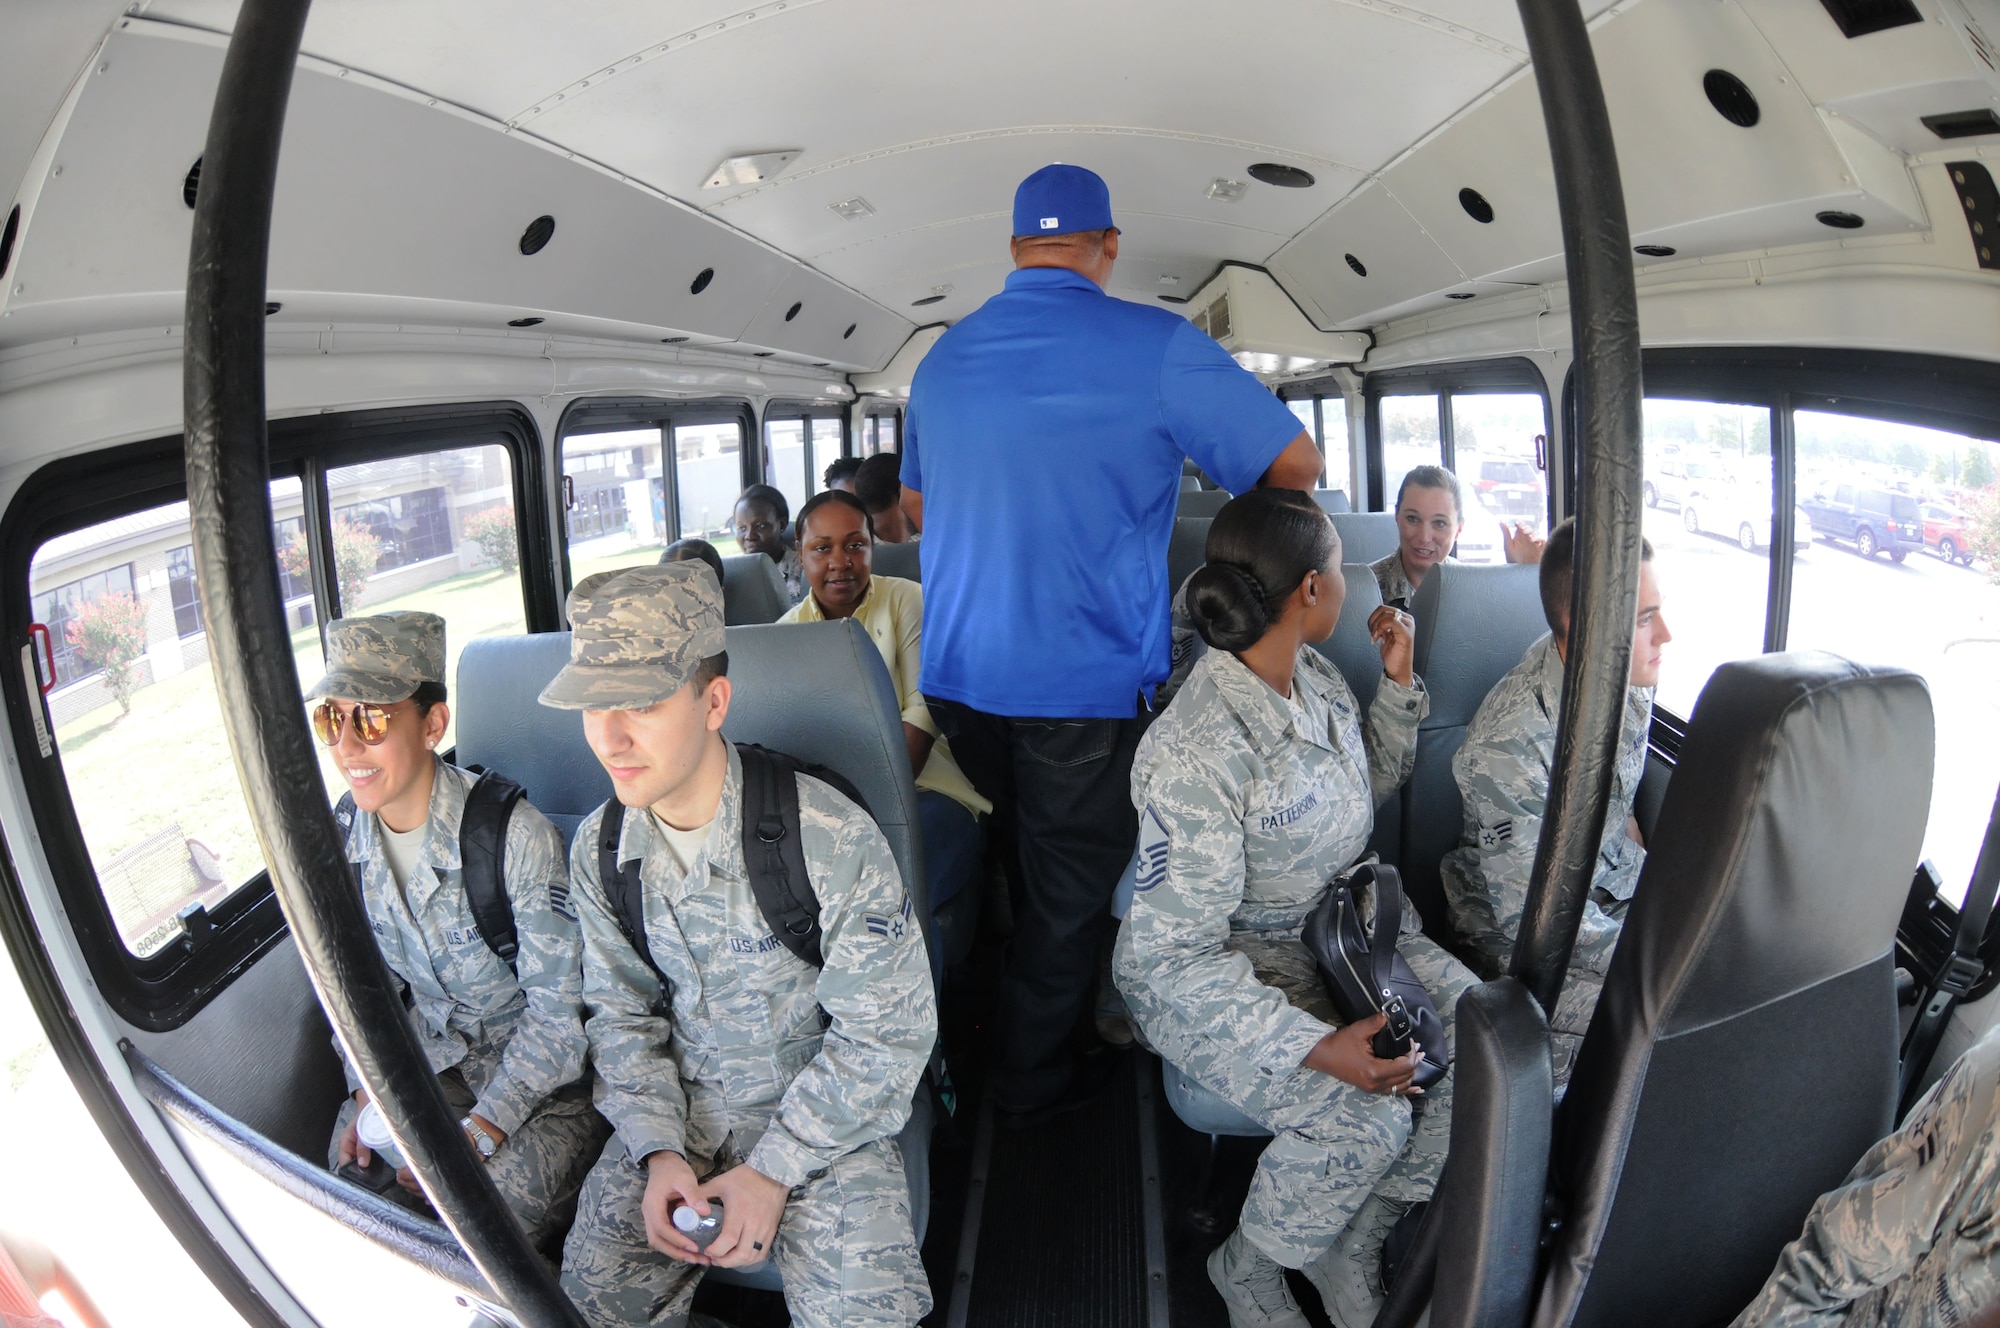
{"x":752,"y":1203}
{"x":670,"y":1181}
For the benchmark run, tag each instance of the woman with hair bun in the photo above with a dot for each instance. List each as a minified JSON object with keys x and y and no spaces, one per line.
{"x":1257,"y":787}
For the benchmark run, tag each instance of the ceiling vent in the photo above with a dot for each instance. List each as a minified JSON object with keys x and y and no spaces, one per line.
{"x":7,"y":237}
{"x":752,"y":168}
{"x":1355,"y":264}
{"x":1654,"y":250}
{"x":1258,"y":324}
{"x":852,"y":209}
{"x":1982,"y":208}
{"x":191,"y":183}
{"x":524,"y":322}
{"x":701,"y":280}
{"x":1225,"y":190}
{"x":1858,"y":18}
{"x":1840,"y":221}
{"x":1281,"y":175}
{"x":1731,"y":98}
{"x":1963,"y":124}
{"x":1476,"y":206}
{"x":539,"y":232}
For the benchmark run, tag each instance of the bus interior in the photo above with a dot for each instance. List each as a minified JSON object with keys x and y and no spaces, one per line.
{"x":549,"y":286}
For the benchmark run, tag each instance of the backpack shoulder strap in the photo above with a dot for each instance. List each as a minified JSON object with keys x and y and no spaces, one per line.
{"x":344,"y":813}
{"x":482,"y":852}
{"x":622,"y":886}
{"x":773,"y":851}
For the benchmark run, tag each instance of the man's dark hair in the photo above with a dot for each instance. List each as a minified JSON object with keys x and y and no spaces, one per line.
{"x":836,"y":496}
{"x":764,"y":493}
{"x":711,"y":668}
{"x":427,"y":695}
{"x":1260,"y":546}
{"x":1433,"y":477}
{"x":840,"y":468}
{"x":879,"y":482}
{"x":1558,"y":574}
{"x":692,"y":550}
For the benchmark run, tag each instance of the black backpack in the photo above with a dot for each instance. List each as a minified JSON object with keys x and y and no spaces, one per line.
{"x":771,"y":850}
{"x":482,"y":853}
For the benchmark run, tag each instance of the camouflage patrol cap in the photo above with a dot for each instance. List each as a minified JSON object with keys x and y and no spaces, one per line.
{"x":381,"y":659}
{"x":636,"y":636}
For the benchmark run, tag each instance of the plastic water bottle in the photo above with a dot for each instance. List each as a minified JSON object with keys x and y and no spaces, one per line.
{"x":372,"y":1129}
{"x":701,"y":1230}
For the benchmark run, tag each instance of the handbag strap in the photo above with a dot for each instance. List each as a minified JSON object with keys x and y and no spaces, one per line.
{"x":1388,"y":926}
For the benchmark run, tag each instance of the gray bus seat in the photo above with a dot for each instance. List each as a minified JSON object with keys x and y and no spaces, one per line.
{"x":1365,"y":537}
{"x":1360,"y":663}
{"x":1757,"y":966}
{"x":901,"y":560}
{"x":1187,"y":549}
{"x":1332,"y":501}
{"x":1473,"y":625}
{"x":1190,"y":483}
{"x":818,"y":691}
{"x":753,"y":592}
{"x":1202,"y":502}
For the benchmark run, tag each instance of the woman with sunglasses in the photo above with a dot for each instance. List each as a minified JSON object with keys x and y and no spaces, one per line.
{"x":505,"y":1036}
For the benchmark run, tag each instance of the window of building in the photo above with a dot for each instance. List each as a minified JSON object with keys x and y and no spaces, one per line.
{"x":785,"y":459}
{"x":708,"y":472}
{"x":72,"y":611}
{"x":1905,"y":526}
{"x":406,"y":527}
{"x":825,"y":448}
{"x":181,"y":587}
{"x":614,"y":499}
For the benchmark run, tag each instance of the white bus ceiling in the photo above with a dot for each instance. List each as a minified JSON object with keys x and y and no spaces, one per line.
{"x":424,"y":138}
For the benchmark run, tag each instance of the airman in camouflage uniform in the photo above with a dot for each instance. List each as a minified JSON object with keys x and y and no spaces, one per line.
{"x":1249,"y":806}
{"x":506,"y":1043}
{"x":1912,"y":1238}
{"x":1394,"y":581}
{"x":732,"y":1061}
{"x":1503,"y":777}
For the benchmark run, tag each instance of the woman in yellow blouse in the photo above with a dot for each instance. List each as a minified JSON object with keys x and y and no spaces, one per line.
{"x":836,"y":543}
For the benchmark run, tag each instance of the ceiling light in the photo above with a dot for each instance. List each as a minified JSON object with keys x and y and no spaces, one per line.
{"x":853,"y":209}
{"x":1225,"y":190}
{"x":752,"y":168}
{"x":1264,"y":362}
{"x":1166,"y":280}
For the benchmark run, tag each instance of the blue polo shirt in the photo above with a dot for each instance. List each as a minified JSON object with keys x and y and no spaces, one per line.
{"x":1046,"y":433}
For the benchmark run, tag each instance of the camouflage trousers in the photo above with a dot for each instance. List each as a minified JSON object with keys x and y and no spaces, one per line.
{"x":1574,"y":1007}
{"x":1333,"y":1146}
{"x":539,"y":1169}
{"x":845,"y":1248}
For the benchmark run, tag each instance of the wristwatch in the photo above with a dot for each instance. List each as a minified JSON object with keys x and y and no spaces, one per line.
{"x":484,"y":1142}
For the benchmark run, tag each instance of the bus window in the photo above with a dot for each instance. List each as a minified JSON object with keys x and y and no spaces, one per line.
{"x":615,"y":504}
{"x":785,"y":459}
{"x":433,"y":532}
{"x":1495,"y":454}
{"x":825,"y":448}
{"x":708,"y":476}
{"x":1707,"y":489}
{"x":1906,"y":526}
{"x":132,"y":684}
{"x":1410,"y":438}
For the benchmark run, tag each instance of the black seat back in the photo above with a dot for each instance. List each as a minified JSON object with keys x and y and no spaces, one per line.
{"x":752,"y":590}
{"x":1743,"y":1053}
{"x":1365,"y":537}
{"x":1473,"y":625}
{"x":902,"y":560}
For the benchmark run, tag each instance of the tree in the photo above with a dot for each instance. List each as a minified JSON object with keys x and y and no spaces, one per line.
{"x":1944,"y":468}
{"x":355,"y":553}
{"x":493,"y":531}
{"x":1982,"y":513}
{"x":109,"y":632}
{"x":1978,"y":470}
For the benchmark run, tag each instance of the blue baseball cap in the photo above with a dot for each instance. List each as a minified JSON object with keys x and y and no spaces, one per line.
{"x":1057,"y":200}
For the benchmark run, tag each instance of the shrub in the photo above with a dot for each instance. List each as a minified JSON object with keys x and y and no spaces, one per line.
{"x":1982,"y":512}
{"x":493,"y":531}
{"x":109,"y":632}
{"x":355,"y":553}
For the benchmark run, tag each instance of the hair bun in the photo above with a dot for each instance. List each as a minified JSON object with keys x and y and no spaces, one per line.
{"x":1227,"y":606}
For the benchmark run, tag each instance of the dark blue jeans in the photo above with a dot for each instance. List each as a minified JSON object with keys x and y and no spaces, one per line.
{"x":1061,"y":791}
{"x":952,"y":840}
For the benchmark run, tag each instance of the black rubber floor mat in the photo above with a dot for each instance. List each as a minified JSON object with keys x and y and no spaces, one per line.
{"x":1062,"y":1226}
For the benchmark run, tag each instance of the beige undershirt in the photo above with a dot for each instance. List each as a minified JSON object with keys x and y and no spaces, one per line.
{"x":684,"y":846}
{"x":403,"y":849}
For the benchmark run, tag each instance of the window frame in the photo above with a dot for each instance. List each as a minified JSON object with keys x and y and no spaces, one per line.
{"x":606,"y":414}
{"x":1468,"y":377}
{"x":162,"y":991}
{"x":805,"y":412}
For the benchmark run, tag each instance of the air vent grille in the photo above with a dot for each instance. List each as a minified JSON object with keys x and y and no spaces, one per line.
{"x":1982,"y":47}
{"x":1963,"y":124}
{"x":1859,"y":18}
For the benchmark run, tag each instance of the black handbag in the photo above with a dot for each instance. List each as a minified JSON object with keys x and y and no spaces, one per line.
{"x":1365,"y":975}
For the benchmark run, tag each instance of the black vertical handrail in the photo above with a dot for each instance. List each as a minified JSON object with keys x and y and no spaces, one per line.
{"x":1604,"y":336}
{"x":228,"y":463}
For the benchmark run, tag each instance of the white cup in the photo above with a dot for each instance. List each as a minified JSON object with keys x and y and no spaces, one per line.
{"x":372,"y":1129}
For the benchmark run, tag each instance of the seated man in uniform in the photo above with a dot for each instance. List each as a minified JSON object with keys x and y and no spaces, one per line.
{"x":1503,"y":777}
{"x":736,"y":1073}
{"x":503,"y":1031}
{"x":1912,"y":1237}
{"x":879,"y":486}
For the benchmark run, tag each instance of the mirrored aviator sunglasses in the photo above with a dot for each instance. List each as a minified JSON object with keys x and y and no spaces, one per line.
{"x":371,"y":723}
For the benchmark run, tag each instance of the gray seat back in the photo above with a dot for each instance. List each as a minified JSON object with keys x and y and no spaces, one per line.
{"x":1332,"y":501}
{"x":1202,"y":502}
{"x":1365,"y":537}
{"x":1473,"y":625}
{"x":902,"y":560}
{"x":1187,"y":549}
{"x":1190,"y":483}
{"x":1360,"y":663}
{"x":502,"y":727}
{"x":752,"y":590}
{"x":1743,"y":1053}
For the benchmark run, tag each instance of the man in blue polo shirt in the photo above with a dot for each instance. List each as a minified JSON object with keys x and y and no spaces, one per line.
{"x":1042,"y":459}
